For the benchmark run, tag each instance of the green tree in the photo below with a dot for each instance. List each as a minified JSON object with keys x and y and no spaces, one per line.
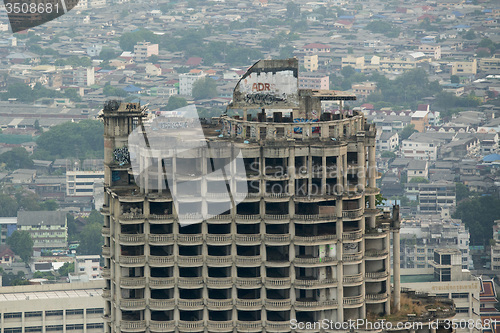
{"x":17,"y":158}
{"x":108,"y":53}
{"x":8,"y":205}
{"x":49,"y":205}
{"x":175,"y":102}
{"x":418,"y":180}
{"x":462,"y":192}
{"x":292,"y":10}
{"x":204,"y":88}
{"x":347,"y":72}
{"x":407,"y":131}
{"x":68,"y":267}
{"x":388,"y":154}
{"x":21,"y":243}
{"x":478,"y":214}
{"x":455,"y":79}
{"x":470,"y":35}
{"x":91,"y":239}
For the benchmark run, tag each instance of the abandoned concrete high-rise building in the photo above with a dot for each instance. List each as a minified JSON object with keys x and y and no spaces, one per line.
{"x":305,"y":242}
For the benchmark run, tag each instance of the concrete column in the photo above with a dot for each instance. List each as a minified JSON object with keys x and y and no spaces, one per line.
{"x":396,"y":270}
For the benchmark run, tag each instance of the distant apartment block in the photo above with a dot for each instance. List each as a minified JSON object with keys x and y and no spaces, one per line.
{"x":84,"y":76}
{"x":317,"y":48}
{"x":422,"y":235}
{"x":490,"y":64}
{"x":464,"y":67}
{"x":364,"y":89}
{"x":430,"y":50}
{"x":87,"y":268}
{"x":420,"y":148}
{"x":7,"y":226}
{"x":311,"y":63}
{"x":421,"y":120}
{"x":68,"y":307}
{"x":433,"y":198}
{"x":81,"y":183}
{"x":387,"y":141}
{"x":186,"y":81}
{"x":144,"y":50}
{"x":315,"y":82}
{"x":47,"y":229}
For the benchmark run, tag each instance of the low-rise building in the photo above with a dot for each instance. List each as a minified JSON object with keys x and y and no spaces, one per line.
{"x":47,"y":229}
{"x":7,"y":226}
{"x":364,"y":89}
{"x":186,"y":81}
{"x":490,"y":64}
{"x":87,"y":268}
{"x":311,"y":81}
{"x":418,"y":169}
{"x":387,"y":141}
{"x":464,"y":67}
{"x":68,"y":307}
{"x":422,"y":234}
{"x":144,"y":50}
{"x":81,"y":183}
{"x":495,"y":247}
{"x":311,"y":62}
{"x":436,"y":197}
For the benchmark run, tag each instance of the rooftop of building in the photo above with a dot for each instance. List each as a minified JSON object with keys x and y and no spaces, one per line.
{"x":52,"y":291}
{"x":41,"y":218}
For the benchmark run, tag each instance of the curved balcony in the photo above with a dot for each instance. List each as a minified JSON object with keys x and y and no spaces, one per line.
{"x":276,"y":197}
{"x":310,"y":305}
{"x":248,"y":282}
{"x":106,"y":232}
{"x":190,"y":304}
{"x":314,"y":218}
{"x":248,"y":260}
{"x":133,"y":282}
{"x":354,"y":301}
{"x":190,"y":260}
{"x":186,"y":326}
{"x":106,"y":252}
{"x":105,"y":210}
{"x":222,"y":218}
{"x":372,"y":254}
{"x":249,"y":326}
{"x":352,"y":214}
{"x":161,"y":239}
{"x":219,"y":260}
{"x":224,"y":239}
{"x":132,"y":304}
{"x":185,"y":239}
{"x":161,"y":282}
{"x":275,"y":239}
{"x":352,"y":257}
{"x":315,"y":240}
{"x":132,"y":325}
{"x":160,"y":218}
{"x":377,"y":298}
{"x":372,"y":191}
{"x":372,"y":212}
{"x":132,"y":261}
{"x":278,"y":326}
{"x":190,"y":282}
{"x":161,"y":326}
{"x":313,"y":261}
{"x":276,"y":218}
{"x":131,"y":218}
{"x":375,"y":276}
{"x":219,"y":304}
{"x":159,"y":197}
{"x":277,"y":262}
{"x":250,"y":218}
{"x":350,"y":280}
{"x":217,"y":197}
{"x":221,"y":326}
{"x":161,"y":304}
{"x":136,"y":239}
{"x":160,"y":261}
{"x":278,"y":304}
{"x":248,"y":239}
{"x":353,"y":236}
{"x":224,"y":282}
{"x":314,"y":284}
{"x":278,"y":282}
{"x":248,"y":304}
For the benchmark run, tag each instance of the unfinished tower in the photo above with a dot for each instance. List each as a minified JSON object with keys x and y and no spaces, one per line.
{"x":305,"y":242}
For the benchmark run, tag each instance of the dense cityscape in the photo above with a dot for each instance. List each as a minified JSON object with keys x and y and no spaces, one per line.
{"x":260,"y":166}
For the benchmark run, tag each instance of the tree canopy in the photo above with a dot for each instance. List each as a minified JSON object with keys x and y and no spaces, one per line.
{"x":407,"y":131}
{"x":17,"y":158}
{"x":21,"y":243}
{"x":90,"y":237}
{"x":175,"y":102}
{"x":82,"y":140}
{"x":204,"y":88}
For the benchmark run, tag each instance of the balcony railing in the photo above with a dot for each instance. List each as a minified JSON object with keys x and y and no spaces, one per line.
{"x":219,"y":303}
{"x":219,"y":325}
{"x":190,"y":281}
{"x":349,"y":257}
{"x":278,"y":281}
{"x":133,"y":260}
{"x":249,"y":282}
{"x":185,"y":325}
{"x":161,"y":304}
{"x":353,"y":214}
{"x":250,"y":325}
{"x":377,"y":297}
{"x":314,"y":239}
{"x":106,"y":251}
{"x":190,"y":260}
{"x":219,"y":282}
{"x":135,"y":239}
{"x":161,"y":282}
{"x":133,"y":325}
{"x":248,"y":239}
{"x":190,"y":303}
{"x":357,"y":278}
{"x":160,"y":217}
{"x":127,"y":218}
{"x":161,"y":260}
{"x":247,"y":217}
{"x":248,"y":304}
{"x":219,"y":260}
{"x":161,"y":326}
{"x":377,"y":275}
{"x":315,"y":217}
{"x":352,"y":235}
{"x":276,"y":217}
{"x":161,"y":239}
{"x":219,"y":239}
{"x":310,"y":261}
{"x":132,"y":304}
{"x":190,"y":239}
{"x":106,"y":231}
{"x":310,"y":305}
{"x":314,"y":283}
{"x":278,"y":303}
{"x":277,"y":239}
{"x":371,"y":253}
{"x":248,"y":260}
{"x":354,"y":300}
{"x":132,"y":282}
